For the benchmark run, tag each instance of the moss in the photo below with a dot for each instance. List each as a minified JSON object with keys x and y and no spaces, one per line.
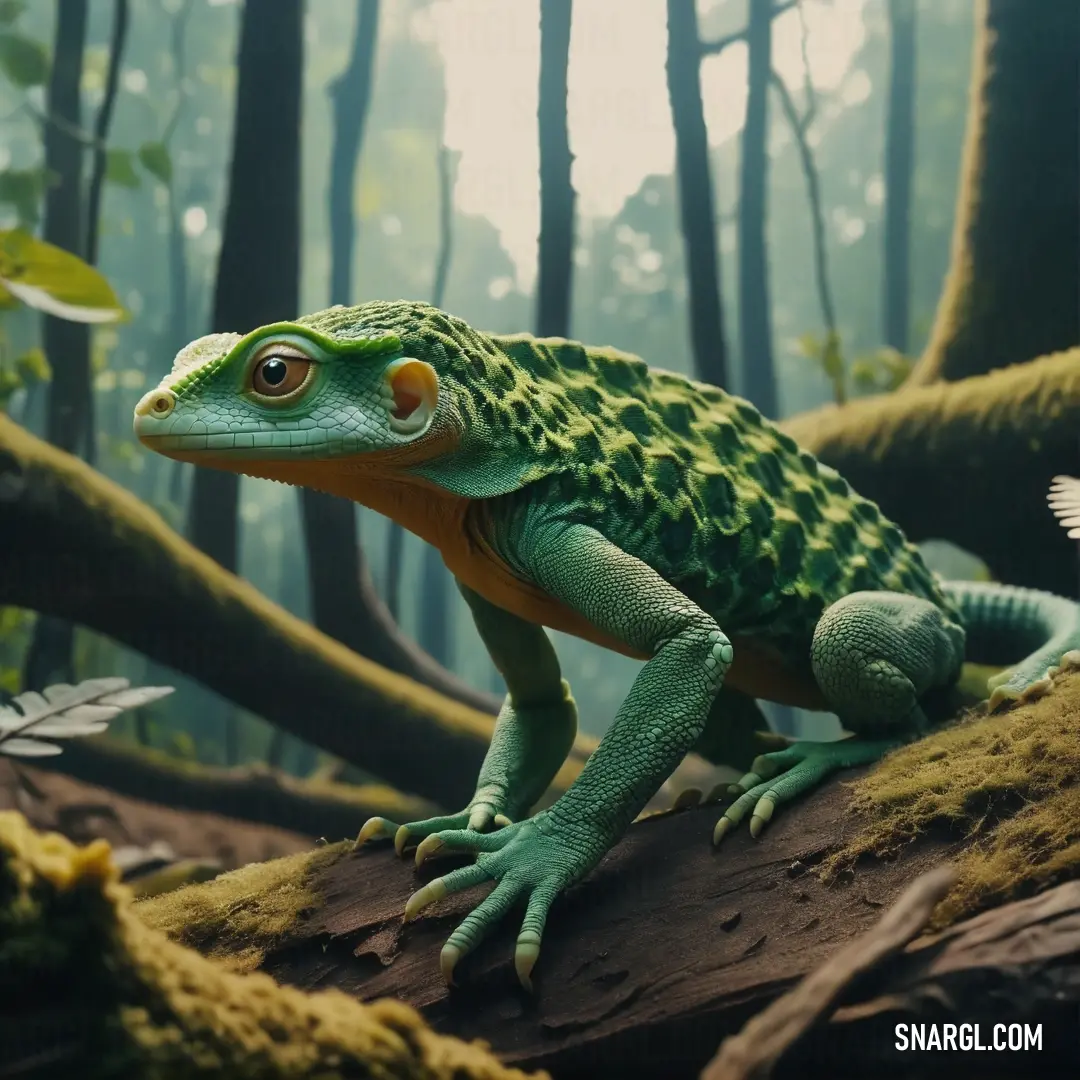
{"x":1007,"y":782}
{"x":240,"y":915}
{"x":103,"y":996}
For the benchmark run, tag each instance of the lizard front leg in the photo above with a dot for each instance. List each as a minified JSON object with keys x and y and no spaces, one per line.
{"x":533,"y":734}
{"x":656,"y":725}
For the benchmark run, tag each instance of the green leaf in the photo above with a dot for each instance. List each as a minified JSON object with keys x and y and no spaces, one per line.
{"x":832,"y":359}
{"x":23,"y":60}
{"x":33,"y":366}
{"x":10,"y":10}
{"x":52,"y":280}
{"x":120,"y":168}
{"x":23,"y":189}
{"x":155,"y":159}
{"x":810,"y":345}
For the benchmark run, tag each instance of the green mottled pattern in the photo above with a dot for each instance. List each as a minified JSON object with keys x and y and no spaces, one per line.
{"x":692,"y":480}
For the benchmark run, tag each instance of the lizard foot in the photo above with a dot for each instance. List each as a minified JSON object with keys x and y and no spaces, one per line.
{"x":477,"y":818}
{"x":528,"y":859}
{"x":1018,"y":685}
{"x":781,"y":776}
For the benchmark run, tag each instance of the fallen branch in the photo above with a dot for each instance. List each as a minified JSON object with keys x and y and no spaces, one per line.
{"x":316,"y":808}
{"x":670,"y":945}
{"x":752,"y":1053}
{"x":78,"y":546}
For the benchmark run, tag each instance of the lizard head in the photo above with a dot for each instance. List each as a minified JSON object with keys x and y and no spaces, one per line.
{"x":395,"y":389}
{"x":292,"y":393}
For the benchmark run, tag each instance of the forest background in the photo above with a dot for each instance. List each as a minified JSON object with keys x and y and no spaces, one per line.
{"x":860,"y":123}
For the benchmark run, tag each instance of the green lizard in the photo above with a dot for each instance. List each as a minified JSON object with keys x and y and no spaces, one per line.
{"x":575,"y":488}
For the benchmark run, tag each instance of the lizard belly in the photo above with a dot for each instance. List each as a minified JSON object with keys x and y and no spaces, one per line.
{"x":758,"y":669}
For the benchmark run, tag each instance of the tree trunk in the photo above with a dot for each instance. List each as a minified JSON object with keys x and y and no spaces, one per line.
{"x":555,"y":264}
{"x":434,"y":635}
{"x":67,"y":344}
{"x":258,"y":268}
{"x":694,"y":178}
{"x":70,"y":415}
{"x":338,"y":602}
{"x":350,"y":98}
{"x":899,"y":166}
{"x":755,"y":315}
{"x":1013,"y":286}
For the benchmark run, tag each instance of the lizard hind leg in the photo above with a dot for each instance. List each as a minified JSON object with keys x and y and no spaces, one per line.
{"x":874,"y":655}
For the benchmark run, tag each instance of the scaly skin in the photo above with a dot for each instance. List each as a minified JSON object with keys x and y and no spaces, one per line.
{"x":575,"y":488}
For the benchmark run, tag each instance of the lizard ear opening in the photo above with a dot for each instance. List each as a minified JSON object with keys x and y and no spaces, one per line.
{"x":415,"y":390}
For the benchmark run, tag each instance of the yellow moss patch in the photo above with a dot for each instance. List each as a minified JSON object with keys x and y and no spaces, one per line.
{"x":1010,"y":781}
{"x":240,"y":915}
{"x":123,"y":1000}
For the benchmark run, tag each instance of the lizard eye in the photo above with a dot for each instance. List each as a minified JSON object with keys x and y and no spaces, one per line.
{"x":280,"y":372}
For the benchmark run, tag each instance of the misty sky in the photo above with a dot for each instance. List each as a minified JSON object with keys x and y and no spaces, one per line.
{"x":620,"y":122}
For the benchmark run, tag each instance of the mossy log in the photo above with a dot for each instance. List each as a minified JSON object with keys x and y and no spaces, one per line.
{"x":315,"y":807}
{"x":670,"y":945}
{"x":78,"y":546}
{"x":89,"y":991}
{"x":969,"y":462}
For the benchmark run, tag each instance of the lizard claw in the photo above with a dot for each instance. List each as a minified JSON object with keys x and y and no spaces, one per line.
{"x":376,"y":828}
{"x":428,"y":848}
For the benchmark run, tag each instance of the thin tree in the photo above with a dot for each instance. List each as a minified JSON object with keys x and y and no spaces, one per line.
{"x":66,"y":343}
{"x":899,"y":165}
{"x":696,"y":202}
{"x":433,"y":633}
{"x":336,"y":578}
{"x":258,"y":265}
{"x":755,"y":313}
{"x":71,"y":222}
{"x":1014,"y":293}
{"x":555,"y":256}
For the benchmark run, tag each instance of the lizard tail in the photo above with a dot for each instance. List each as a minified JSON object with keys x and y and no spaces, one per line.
{"x":1037,"y":633}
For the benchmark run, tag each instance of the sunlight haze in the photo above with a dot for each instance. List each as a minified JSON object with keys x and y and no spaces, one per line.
{"x":620,"y":121}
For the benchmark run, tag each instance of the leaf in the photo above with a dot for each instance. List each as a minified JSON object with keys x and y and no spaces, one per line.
{"x":23,"y":60}
{"x":52,"y":280}
{"x":809,"y":345}
{"x":135,"y":696}
{"x":33,"y":366}
{"x":61,"y":711}
{"x":155,"y":159}
{"x":23,"y":189}
{"x":832,"y":359}
{"x":10,"y":10}
{"x":120,"y":168}
{"x":29,"y":748}
{"x":60,"y":729}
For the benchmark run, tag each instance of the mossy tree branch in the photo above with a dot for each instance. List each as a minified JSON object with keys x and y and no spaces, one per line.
{"x":79,"y":547}
{"x":314,"y":807}
{"x":969,"y":462}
